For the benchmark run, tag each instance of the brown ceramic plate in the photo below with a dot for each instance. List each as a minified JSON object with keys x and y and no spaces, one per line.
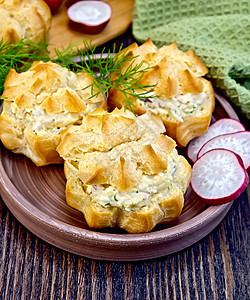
{"x":36,"y":197}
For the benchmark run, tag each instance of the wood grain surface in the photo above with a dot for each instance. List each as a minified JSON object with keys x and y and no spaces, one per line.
{"x":217,"y":267}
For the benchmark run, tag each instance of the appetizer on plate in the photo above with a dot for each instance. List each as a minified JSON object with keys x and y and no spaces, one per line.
{"x":123,"y":171}
{"x":39,"y":104}
{"x":177,"y":92}
{"x":30,"y":19}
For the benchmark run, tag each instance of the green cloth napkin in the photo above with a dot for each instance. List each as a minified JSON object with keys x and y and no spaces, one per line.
{"x":219,"y":32}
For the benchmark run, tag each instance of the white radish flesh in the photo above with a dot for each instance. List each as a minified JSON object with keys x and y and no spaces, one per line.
{"x":222,"y":126}
{"x":219,"y":177}
{"x":238,"y":142}
{"x":89,"y":16}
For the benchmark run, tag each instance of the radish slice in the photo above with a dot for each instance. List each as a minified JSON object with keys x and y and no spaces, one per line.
{"x":89,"y":16}
{"x":219,"y":177}
{"x":222,"y":126}
{"x":54,"y":4}
{"x":238,"y":142}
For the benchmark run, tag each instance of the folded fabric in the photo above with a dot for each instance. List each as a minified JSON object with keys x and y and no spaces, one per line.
{"x":219,"y":32}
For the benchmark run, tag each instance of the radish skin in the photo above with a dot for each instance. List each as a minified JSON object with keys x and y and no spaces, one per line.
{"x":222,"y":126}
{"x":238,"y":142}
{"x":54,"y":4}
{"x":219,"y":177}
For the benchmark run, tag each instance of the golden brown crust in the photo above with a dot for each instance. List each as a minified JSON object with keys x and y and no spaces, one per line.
{"x":102,"y":131}
{"x":30,"y":19}
{"x":39,"y":104}
{"x":172,"y":73}
{"x":194,"y":126}
{"x":122,"y":171}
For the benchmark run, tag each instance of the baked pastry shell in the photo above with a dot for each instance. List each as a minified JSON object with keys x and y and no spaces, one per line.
{"x":168,"y":72}
{"x":163,"y":210}
{"x":29,"y":19}
{"x":182,"y":132}
{"x":51,"y":92}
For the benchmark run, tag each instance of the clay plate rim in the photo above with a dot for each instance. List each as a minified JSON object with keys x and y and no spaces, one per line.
{"x":92,"y":243}
{"x":153,"y":238}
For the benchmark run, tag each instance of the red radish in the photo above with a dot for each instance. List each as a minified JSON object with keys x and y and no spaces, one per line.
{"x":219,"y":127}
{"x":238,"y":142}
{"x":54,"y":4}
{"x":89,"y":16}
{"x":70,"y":2}
{"x":219,"y":176}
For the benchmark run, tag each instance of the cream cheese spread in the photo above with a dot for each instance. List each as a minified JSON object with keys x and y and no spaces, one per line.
{"x":177,"y":107}
{"x":38,"y":119}
{"x":149,"y":189}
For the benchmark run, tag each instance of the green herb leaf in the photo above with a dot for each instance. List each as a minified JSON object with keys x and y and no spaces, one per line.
{"x":20,"y":56}
{"x":106,"y":68}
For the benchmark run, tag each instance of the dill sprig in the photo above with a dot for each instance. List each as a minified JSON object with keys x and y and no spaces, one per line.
{"x":105,"y":67}
{"x":22,"y":54}
{"x":19,"y":56}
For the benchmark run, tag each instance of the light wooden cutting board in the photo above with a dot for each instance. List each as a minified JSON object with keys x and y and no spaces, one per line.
{"x":61,"y":35}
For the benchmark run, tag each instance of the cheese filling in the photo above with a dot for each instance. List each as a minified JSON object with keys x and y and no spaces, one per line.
{"x":38,"y":119}
{"x":177,"y":107}
{"x":149,"y":189}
